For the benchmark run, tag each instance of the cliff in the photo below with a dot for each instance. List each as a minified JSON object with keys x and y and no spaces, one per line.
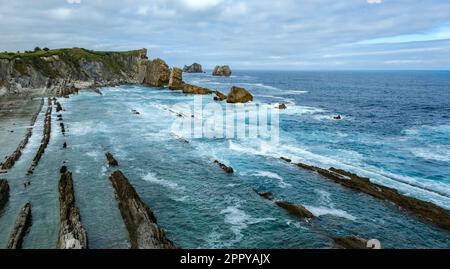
{"x":53,"y":71}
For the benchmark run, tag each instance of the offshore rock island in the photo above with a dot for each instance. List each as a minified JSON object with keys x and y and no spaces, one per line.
{"x":59,"y":169}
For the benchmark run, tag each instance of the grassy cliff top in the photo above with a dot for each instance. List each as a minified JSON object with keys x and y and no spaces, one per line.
{"x":76,"y":53}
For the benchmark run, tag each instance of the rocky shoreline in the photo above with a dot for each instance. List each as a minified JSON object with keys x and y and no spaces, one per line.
{"x":21,"y":227}
{"x":45,"y":138}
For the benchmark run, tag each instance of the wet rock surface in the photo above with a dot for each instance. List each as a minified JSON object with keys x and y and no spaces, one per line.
{"x":224,"y":71}
{"x":239,"y":95}
{"x":143,"y":231}
{"x":193,"y":89}
{"x":111,"y":160}
{"x":351,"y":242}
{"x":21,"y":227}
{"x":425,"y":210}
{"x":45,"y":139}
{"x":220,"y":96}
{"x":227,"y":169}
{"x":72,"y":235}
{"x":157,"y":74}
{"x":295,"y":209}
{"x":4,"y":193}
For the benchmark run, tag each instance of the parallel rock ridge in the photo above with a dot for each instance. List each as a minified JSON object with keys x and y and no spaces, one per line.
{"x":426,"y":210}
{"x":143,"y":231}
{"x":60,"y":71}
{"x":72,"y":235}
{"x":4,"y":193}
{"x":23,"y":222}
{"x":45,"y":139}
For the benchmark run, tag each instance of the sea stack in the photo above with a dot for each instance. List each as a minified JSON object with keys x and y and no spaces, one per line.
{"x":176,"y":79}
{"x":193,"y":68}
{"x":223,"y":71}
{"x":239,"y":95}
{"x":143,"y":231}
{"x":157,"y":74}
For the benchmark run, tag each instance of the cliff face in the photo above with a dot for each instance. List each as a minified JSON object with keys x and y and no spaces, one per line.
{"x":50,"y":72}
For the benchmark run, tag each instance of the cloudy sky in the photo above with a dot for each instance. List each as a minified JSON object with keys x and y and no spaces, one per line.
{"x":253,"y":34}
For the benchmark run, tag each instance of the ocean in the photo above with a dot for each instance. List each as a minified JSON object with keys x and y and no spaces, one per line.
{"x":395,"y":129}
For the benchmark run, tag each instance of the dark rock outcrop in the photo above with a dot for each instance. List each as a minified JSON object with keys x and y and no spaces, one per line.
{"x":286,"y":159}
{"x":281,"y":106}
{"x":239,"y":95}
{"x":266,"y":195}
{"x":220,"y":96}
{"x":176,"y":79}
{"x":223,"y":70}
{"x":72,"y":235}
{"x":193,"y":68}
{"x":351,"y":242}
{"x":227,"y":169}
{"x":4,"y":193}
{"x":20,"y":229}
{"x":111,"y":160}
{"x":192,"y":89}
{"x":426,"y":210}
{"x":157,"y":74}
{"x":143,"y":231}
{"x":58,"y":107}
{"x":296,"y":210}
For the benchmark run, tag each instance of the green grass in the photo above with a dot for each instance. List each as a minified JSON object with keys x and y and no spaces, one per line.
{"x":71,"y":57}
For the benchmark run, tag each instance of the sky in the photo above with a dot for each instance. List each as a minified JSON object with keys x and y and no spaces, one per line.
{"x":252,"y":34}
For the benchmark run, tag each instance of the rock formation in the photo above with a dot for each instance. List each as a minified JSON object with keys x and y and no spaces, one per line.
{"x":157,"y":74}
{"x":286,"y":159}
{"x":351,"y":242}
{"x":45,"y":139}
{"x":296,"y":210}
{"x":192,"y":89}
{"x":72,"y":235}
{"x":111,"y":160}
{"x":227,"y":169}
{"x":4,"y":193}
{"x":23,"y":223}
{"x":239,"y":95}
{"x":176,"y":79}
{"x":62,"y":72}
{"x":193,"y":68}
{"x":280,"y":106}
{"x":266,"y":195}
{"x":140,"y":222}
{"x":426,"y":210}
{"x":220,"y":96}
{"x":224,"y":70}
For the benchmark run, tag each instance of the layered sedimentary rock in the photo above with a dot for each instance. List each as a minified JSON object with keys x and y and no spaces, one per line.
{"x":45,"y":139}
{"x":225,"y":168}
{"x":426,"y":210}
{"x":351,"y":242}
{"x":239,"y":95}
{"x":143,"y":231}
{"x":192,"y":89}
{"x":72,"y":235}
{"x":4,"y":193}
{"x":111,"y":160}
{"x":63,"y":71}
{"x":296,"y":210}
{"x":157,"y":73}
{"x":176,"y":79}
{"x":193,"y":68}
{"x":223,"y":70}
{"x":20,"y":229}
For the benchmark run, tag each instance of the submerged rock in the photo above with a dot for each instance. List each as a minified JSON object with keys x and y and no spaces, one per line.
{"x":58,"y":107}
{"x":265,"y":195}
{"x":296,"y":210}
{"x":193,"y":68}
{"x":227,"y":169}
{"x":192,"y":89}
{"x":239,"y":95}
{"x":157,"y":74}
{"x":281,"y":106}
{"x":143,"y":231}
{"x":338,"y":117}
{"x":20,"y":229}
{"x":4,"y":193}
{"x":220,"y":96}
{"x":286,"y":159}
{"x":351,"y":242}
{"x":111,"y":160}
{"x":72,"y":235}
{"x":224,"y":70}
{"x":176,"y":79}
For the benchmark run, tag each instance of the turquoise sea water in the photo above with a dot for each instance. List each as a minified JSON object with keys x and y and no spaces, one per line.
{"x":395,"y":130}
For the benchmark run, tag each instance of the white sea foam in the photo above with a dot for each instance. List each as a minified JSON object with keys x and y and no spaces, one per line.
{"x":267,"y":174}
{"x":151,"y":177}
{"x":435,"y":153}
{"x":320,"y":211}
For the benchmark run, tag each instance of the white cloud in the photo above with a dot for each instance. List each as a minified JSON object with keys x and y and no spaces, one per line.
{"x":374,"y":1}
{"x":74,"y":1}
{"x":198,"y":5}
{"x":60,"y":13}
